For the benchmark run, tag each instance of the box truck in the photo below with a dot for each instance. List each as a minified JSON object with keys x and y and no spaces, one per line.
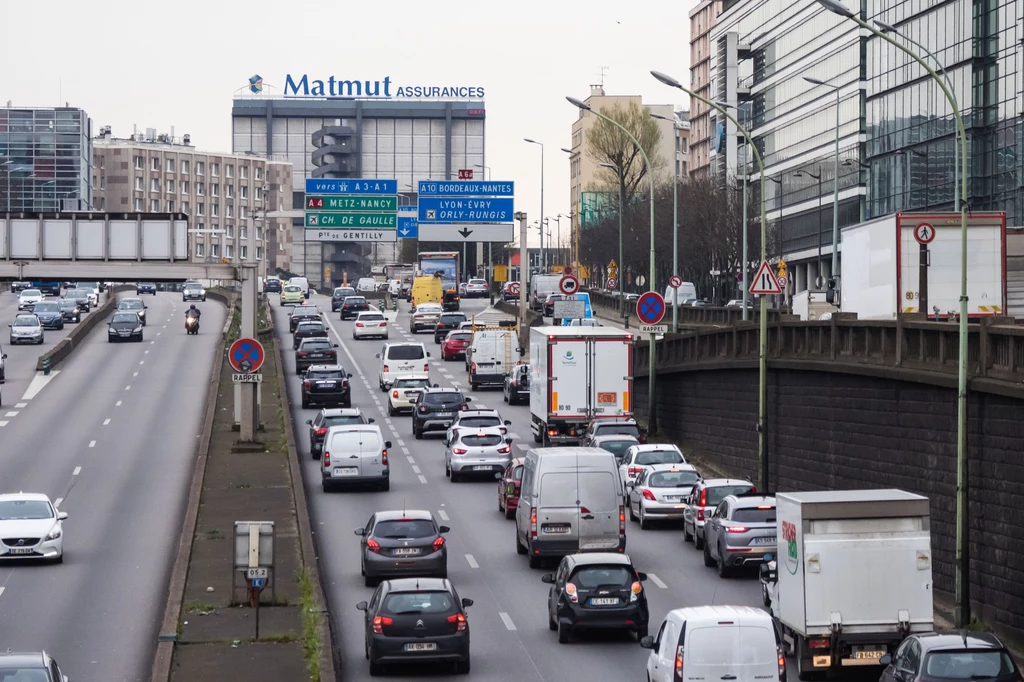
{"x":853,"y":575}
{"x":578,"y":374}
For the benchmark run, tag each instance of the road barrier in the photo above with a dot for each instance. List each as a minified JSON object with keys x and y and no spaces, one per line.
{"x":67,"y":345}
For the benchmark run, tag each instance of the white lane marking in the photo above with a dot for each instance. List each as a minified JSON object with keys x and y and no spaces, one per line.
{"x":117,"y":404}
{"x":443,"y":514}
{"x":507,"y":620}
{"x":474,"y":564}
{"x":405,"y":451}
{"x":128,"y":387}
{"x":4,"y":423}
{"x":152,"y":342}
{"x":77,"y":471}
{"x":142,"y":362}
{"x":2,"y":591}
{"x":11,"y":414}
{"x":135,"y":374}
{"x":657,"y":581}
{"x":164,"y":327}
{"x":92,"y":444}
{"x":56,"y":503}
{"x":423,"y":479}
{"x":38,"y":382}
{"x":522,"y":446}
{"x":106,"y":421}
{"x":456,"y":383}
{"x":412,"y":460}
{"x":20,"y":405}
{"x":415,"y":469}
{"x":146,"y":353}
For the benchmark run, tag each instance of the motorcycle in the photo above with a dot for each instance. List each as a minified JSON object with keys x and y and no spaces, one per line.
{"x":191,"y":325}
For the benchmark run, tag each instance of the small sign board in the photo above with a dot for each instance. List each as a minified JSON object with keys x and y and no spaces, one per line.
{"x":569,"y":309}
{"x":514,"y":288}
{"x":675,"y":281}
{"x":569,"y":285}
{"x":465,"y":174}
{"x":765,"y":282}
{"x":252,"y":573}
{"x":613,"y":283}
{"x":654,"y":329}
{"x":924,"y":233}
{"x":247,"y":378}
{"x":650,"y":308}
{"x":246,"y":355}
{"x":259,"y":583}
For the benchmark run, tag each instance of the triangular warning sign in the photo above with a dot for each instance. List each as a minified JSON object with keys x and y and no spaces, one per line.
{"x":765,"y":282}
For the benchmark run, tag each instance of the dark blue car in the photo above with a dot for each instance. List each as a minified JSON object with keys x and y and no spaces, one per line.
{"x":145,"y":288}
{"x":49,"y":314}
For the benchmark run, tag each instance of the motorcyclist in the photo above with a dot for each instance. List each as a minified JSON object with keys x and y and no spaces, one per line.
{"x":193,"y":311}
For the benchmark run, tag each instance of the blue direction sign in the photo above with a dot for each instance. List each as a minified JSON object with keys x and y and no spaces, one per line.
{"x":350,"y":186}
{"x":408,"y":223}
{"x":465,"y":210}
{"x":460,"y":188}
{"x":650,"y":307}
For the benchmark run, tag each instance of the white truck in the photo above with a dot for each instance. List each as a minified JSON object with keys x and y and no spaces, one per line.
{"x":853,"y":577}
{"x":881,"y":258}
{"x":811,"y":305}
{"x":578,"y":374}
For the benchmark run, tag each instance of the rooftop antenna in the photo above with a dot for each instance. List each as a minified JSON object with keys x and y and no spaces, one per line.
{"x":604,"y":70}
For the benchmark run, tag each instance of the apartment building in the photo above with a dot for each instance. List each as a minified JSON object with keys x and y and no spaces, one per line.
{"x":702,"y":20}
{"x":225,"y":195}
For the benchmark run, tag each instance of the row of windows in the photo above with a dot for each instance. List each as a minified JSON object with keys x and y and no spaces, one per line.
{"x":200,"y":188}
{"x":229,"y":251}
{"x":200,"y":166}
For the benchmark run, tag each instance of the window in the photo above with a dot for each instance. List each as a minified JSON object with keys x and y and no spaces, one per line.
{"x":243,"y":213}
{"x":229,"y":191}
{"x":748,"y":515}
{"x":230,"y":210}
{"x":200,"y":189}
{"x":215,"y":169}
{"x":245,"y":191}
{"x":259,"y":253}
{"x":154,"y":185}
{"x":200,"y":167}
{"x":138,"y":184}
{"x":259,"y":172}
{"x":200,"y":249}
{"x":170,"y":206}
{"x":230,"y":230}
{"x":214,"y":250}
{"x":138,"y":163}
{"x":170,"y":165}
{"x":170,"y":186}
{"x":184,"y":187}
{"x":259,"y":233}
{"x":200,"y":227}
{"x":137,"y":204}
{"x":215,"y":190}
{"x":243,"y":172}
{"x":258,"y":193}
{"x":154,"y":164}
{"x":215,"y":210}
{"x":186,"y":207}
{"x":229,"y":251}
{"x":154,"y":205}
{"x":200,"y":209}
{"x":243,"y":232}
{"x":184,"y":167}
{"x":244,"y":252}
{"x":229,"y":170}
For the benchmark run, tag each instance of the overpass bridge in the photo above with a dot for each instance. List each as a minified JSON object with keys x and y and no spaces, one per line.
{"x":101,"y":246}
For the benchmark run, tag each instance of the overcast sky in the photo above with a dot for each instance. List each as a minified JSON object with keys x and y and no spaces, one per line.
{"x":162,"y":64}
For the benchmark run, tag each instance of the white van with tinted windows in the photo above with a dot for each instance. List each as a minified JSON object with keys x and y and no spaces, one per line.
{"x":355,"y":454}
{"x":491,"y":355}
{"x":734,"y":643}
{"x":401,"y":360}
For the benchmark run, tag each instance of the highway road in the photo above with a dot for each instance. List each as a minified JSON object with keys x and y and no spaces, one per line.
{"x":111,"y":435}
{"x":508,"y":620}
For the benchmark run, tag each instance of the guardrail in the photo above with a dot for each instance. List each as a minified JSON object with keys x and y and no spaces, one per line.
{"x":705,"y":316}
{"x":74,"y":338}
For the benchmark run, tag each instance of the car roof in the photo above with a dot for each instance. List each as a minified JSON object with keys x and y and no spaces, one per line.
{"x":14,"y":497}
{"x":592,"y":558}
{"x":314,"y":339}
{"x":404,"y":343}
{"x":518,"y":461}
{"x":395,"y":514}
{"x":368,"y":312}
{"x":718,"y":482}
{"x":419,"y":585}
{"x":341,"y":412}
{"x":418,"y":377}
{"x":954,"y":640}
{"x":655,"y":447}
{"x":671,"y":467}
{"x":309,"y":322}
{"x":717,"y":614}
{"x":355,"y":296}
{"x":479,"y":430}
{"x":615,"y":420}
{"x":14,"y":659}
{"x":327,"y":368}
{"x":612,"y":437}
{"x":443,"y":389}
{"x":750,"y":501}
{"x":477,"y":412}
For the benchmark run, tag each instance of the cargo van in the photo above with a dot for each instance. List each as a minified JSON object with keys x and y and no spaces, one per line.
{"x":735,"y":643}
{"x":355,"y":453}
{"x":491,"y":355}
{"x":570,"y":502}
{"x":540,"y":287}
{"x":302,"y":283}
{"x":679,"y":295}
{"x":426,"y":290}
{"x":398,"y":360}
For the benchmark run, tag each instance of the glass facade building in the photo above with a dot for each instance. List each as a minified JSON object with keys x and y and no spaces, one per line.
{"x":45,"y":159}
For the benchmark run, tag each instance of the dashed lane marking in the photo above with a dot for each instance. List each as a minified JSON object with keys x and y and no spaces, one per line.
{"x":92,"y":444}
{"x":106,"y":421}
{"x":657,"y":581}
{"x":4,"y":423}
{"x":2,"y":591}
{"x":12,"y":414}
{"x":56,"y":505}
{"x":77,"y":471}
{"x":443,"y":514}
{"x":142,"y":362}
{"x":415,"y":469}
{"x":474,"y":564}
{"x":21,"y":405}
{"x":405,"y":451}
{"x":507,"y":620}
{"x":117,"y":404}
{"x":423,"y":479}
{"x":135,"y":374}
{"x":401,"y":443}
{"x":128,"y":387}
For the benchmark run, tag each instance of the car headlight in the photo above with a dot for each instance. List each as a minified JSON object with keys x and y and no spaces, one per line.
{"x":55,"y":533}
{"x":111,"y":330}
{"x":137,"y":329}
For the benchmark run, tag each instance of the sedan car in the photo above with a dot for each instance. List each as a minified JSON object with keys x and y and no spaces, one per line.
{"x":145,"y":288}
{"x":308,"y":330}
{"x":404,"y":391}
{"x":26,"y":328}
{"x":509,"y":484}
{"x":370,"y":324}
{"x":960,"y":656}
{"x":639,"y":457}
{"x":435,"y":410}
{"x":425,"y":317}
{"x":659,"y":493}
{"x":315,"y":352}
{"x":402,"y":543}
{"x":82,"y":297}
{"x":293,"y":295}
{"x":353,"y":305}
{"x":415,"y":621}
{"x":326,"y":385}
{"x":193,"y":292}
{"x":702,"y":501}
{"x":616,"y":443}
{"x":136,"y":306}
{"x":740,"y":532}
{"x":596,"y":591}
{"x":303,"y":313}
{"x":516,"y":388}
{"x":339,"y":295}
{"x":125,"y":325}
{"x":446,"y":323}
{"x":30,"y":528}
{"x":37,"y":666}
{"x":49,"y":314}
{"x":18,"y":287}
{"x":475,"y":452}
{"x":325,"y":419}
{"x":69,"y":310}
{"x":603,"y":427}
{"x":455,"y":345}
{"x":28,"y":298}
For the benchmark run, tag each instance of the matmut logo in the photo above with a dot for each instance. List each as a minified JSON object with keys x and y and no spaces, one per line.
{"x":792,"y":549}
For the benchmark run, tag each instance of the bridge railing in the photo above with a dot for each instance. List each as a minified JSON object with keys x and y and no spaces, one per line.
{"x":706,"y":316}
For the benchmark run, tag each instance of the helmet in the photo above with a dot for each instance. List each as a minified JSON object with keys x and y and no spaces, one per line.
{"x":192,"y":307}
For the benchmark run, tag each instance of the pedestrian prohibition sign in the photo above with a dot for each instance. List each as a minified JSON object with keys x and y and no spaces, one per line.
{"x":650,"y":308}
{"x":924,"y":233}
{"x":246,"y":355}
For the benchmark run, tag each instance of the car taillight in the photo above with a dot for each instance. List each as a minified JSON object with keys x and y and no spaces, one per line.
{"x":473,"y":364}
{"x":373,"y":546}
{"x":426,"y":366}
{"x":378,"y":624}
{"x":505,"y":450}
{"x":736,"y":529}
{"x":622,"y":521}
{"x":394,"y":394}
{"x":438,"y":544}
{"x":552,"y":432}
{"x":359,"y":324}
{"x":633,"y":471}
{"x":703,"y":500}
{"x":648,"y":495}
{"x":384,"y":458}
{"x":459,"y":451}
{"x":753,"y":489}
{"x":384,"y":323}
{"x":635,"y":590}
{"x":700,"y":514}
{"x":386,"y":368}
{"x":302,"y":354}
{"x":460,"y":620}
{"x":570,"y":591}
{"x":679,"y":663}
{"x":327,"y":460}
{"x":322,"y":431}
{"x":533,"y":522}
{"x":306,"y":384}
{"x":782,"y":663}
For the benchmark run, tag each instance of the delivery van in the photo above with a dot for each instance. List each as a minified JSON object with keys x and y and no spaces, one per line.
{"x":426,"y":290}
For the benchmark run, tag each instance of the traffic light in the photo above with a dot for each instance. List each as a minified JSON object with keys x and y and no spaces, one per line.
{"x":830,"y":295}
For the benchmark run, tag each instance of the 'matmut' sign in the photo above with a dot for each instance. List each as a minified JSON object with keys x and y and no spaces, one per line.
{"x":304,"y":86}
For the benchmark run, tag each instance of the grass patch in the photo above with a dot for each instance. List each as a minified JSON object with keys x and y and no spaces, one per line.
{"x":243,"y":486}
{"x":196,"y":606}
{"x":278,"y":638}
{"x":213,"y":534}
{"x":235,"y":330}
{"x":977,"y":625}
{"x":311,"y":644}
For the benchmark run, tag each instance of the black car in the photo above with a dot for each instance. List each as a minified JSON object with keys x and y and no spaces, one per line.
{"x":450,"y":301}
{"x":352,"y":306}
{"x":49,"y":314}
{"x":446,"y":323}
{"x":69,"y":310}
{"x":402,"y":543}
{"x":272,"y":286}
{"x":315,"y":352}
{"x":18,"y":287}
{"x":436,"y":408}
{"x":308,"y":330}
{"x":303,"y":313}
{"x":145,"y":288}
{"x":125,"y":325}
{"x":325,"y":419}
{"x":414,"y":621}
{"x":596,"y":591}
{"x":549,"y":304}
{"x":338,"y":297}
{"x":326,"y":385}
{"x":81,"y":298}
{"x":36,"y":666}
{"x":517,"y":385}
{"x":949,"y":656}
{"x":136,"y":306}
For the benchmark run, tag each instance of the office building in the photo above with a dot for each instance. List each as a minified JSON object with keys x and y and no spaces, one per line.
{"x":702,"y":20}
{"x":409,"y":140}
{"x":224,"y":195}
{"x":45,"y":159}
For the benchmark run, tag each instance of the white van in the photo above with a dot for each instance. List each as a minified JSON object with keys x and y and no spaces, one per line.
{"x":300,"y":282}
{"x":355,"y":453}
{"x":570,"y":502}
{"x":491,"y":355}
{"x":401,"y":360}
{"x":686,"y":292}
{"x":540,"y":287}
{"x":735,"y":643}
{"x":366,"y":285}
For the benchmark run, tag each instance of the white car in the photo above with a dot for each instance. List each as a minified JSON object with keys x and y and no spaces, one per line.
{"x":639,"y":457}
{"x":30,"y":528}
{"x":366,"y":285}
{"x":477,"y":452}
{"x":425,"y":317}
{"x":28,"y":298}
{"x":404,"y":391}
{"x":370,"y":324}
{"x":478,"y":419}
{"x":26,"y":328}
{"x":476,"y":287}
{"x":660,"y":491}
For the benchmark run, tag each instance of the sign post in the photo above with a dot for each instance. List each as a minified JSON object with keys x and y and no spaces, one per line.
{"x":248,"y":362}
{"x":254,"y":561}
{"x":924,"y":233}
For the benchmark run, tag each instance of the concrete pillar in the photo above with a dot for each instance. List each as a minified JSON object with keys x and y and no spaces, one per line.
{"x":248,"y":424}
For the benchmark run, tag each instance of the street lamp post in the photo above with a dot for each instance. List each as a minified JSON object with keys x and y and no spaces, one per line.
{"x":963,"y":563}
{"x":835,"y":189}
{"x":762,"y":441}
{"x":621,"y":270}
{"x":652,"y":424}
{"x":745,"y":286}
{"x":675,"y":218}
{"x":543,"y":259}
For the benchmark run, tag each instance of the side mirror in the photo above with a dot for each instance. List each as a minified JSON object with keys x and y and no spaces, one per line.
{"x":362,"y":606}
{"x":428,"y":353}
{"x":309,"y":422}
{"x":62,"y":516}
{"x":337,"y":346}
{"x":3,"y":357}
{"x":641,"y":576}
{"x":497,"y":476}
{"x":630,"y":484}
{"x":12,"y":326}
{"x":469,"y":400}
{"x":466,"y":603}
{"x":508,"y":441}
{"x":885,"y":660}
{"x":349,"y":375}
{"x":371,"y":420}
{"x":548,"y":578}
{"x":508,"y":422}
{"x":647,"y":642}
{"x":377,"y":355}
{"x":522,"y":352}
{"x":360,"y":531}
{"x":443,"y":529}
{"x":387,"y":444}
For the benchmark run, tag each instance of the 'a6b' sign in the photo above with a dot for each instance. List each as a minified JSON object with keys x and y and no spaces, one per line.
{"x":465,"y":174}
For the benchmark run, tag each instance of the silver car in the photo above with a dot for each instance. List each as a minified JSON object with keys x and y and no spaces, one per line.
{"x":740,"y":532}
{"x":425,"y":317}
{"x":28,"y":298}
{"x":402,"y":543}
{"x":702,"y":502}
{"x":616,"y":443}
{"x":26,"y":328}
{"x":660,"y":491}
{"x":477,"y":451}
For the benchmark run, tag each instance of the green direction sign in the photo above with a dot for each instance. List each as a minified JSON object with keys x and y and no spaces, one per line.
{"x":350,"y":203}
{"x":317,"y":219}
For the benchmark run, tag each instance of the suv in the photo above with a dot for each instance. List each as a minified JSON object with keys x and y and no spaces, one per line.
{"x":740,"y":532}
{"x":339,"y":295}
{"x":476,"y":288}
{"x":326,"y":385}
{"x":303,"y":313}
{"x":604,"y":427}
{"x":37,"y":667}
{"x":435,"y":410}
{"x":950,"y":656}
{"x":446,"y":323}
{"x":328,"y":417}
{"x":702,"y":501}
{"x":352,"y":306}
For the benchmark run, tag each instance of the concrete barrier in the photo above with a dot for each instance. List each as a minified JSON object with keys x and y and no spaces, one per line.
{"x":62,"y":350}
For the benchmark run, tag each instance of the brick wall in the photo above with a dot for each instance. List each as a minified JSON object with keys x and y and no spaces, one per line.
{"x":843,"y":431}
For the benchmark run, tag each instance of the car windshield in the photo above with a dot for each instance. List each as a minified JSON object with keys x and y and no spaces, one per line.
{"x":432,"y":308}
{"x":719,"y":493}
{"x":461,"y":337}
{"x":343,"y":420}
{"x":354,"y":300}
{"x":754,"y":515}
{"x":405,"y":353}
{"x":311,"y":327}
{"x":126,"y":317}
{"x":67,"y":303}
{"x":370,"y":317}
{"x":480,"y":441}
{"x":659,"y":457}
{"x":672,"y":479}
{"x":401,"y":529}
{"x":968,"y":665}
{"x":341,"y":293}
{"x":325,"y":374}
{"x":78,"y":293}
{"x":452,"y":319}
{"x":443,"y":398}
{"x":477,"y":422}
{"x":594,"y":576}
{"x":409,"y":603}
{"x":478,"y":281}
{"x":292,"y":289}
{"x":44,"y":307}
{"x":617,"y":447}
{"x":12,"y":510}
{"x":25,"y":321}
{"x":88,"y":285}
{"x":315,"y":345}
{"x":619,"y":430}
{"x":29,"y":293}
{"x":130,"y":305}
{"x":412,"y":383}
{"x":193,"y":287}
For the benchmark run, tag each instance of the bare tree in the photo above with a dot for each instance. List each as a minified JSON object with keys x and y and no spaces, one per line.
{"x":606,"y":143}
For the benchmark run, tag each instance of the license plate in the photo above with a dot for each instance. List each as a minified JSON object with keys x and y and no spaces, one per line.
{"x":482,"y":468}
{"x":556,"y":529}
{"x":316,"y":355}
{"x":421,"y":646}
{"x":870,"y":655}
{"x":406,"y":551}
{"x":21,"y":550}
{"x":325,"y":384}
{"x":763,"y":541}
{"x":346,"y":471}
{"x":672,"y":498}
{"x":604,"y":601}
{"x":444,"y":414}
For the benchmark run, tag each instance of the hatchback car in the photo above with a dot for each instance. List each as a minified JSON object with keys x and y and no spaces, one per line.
{"x":30,"y":528}
{"x":446,"y":323}
{"x":436,"y":409}
{"x":303,"y":313}
{"x":125,"y":325}
{"x":352,"y":306}
{"x":370,"y":324}
{"x":478,"y":418}
{"x":26,"y":328}
{"x":272,"y":285}
{"x":69,"y":310}
{"x":617,"y":444}
{"x":145,"y":288}
{"x":136,"y":306}
{"x":455,"y":345}
{"x":339,"y":295}
{"x":476,"y":288}
{"x":659,"y":493}
{"x":702,"y":501}
{"x":30,"y":667}
{"x":404,"y":391}
{"x":308,"y":330}
{"x":81,"y":297}
{"x":193,"y":292}
{"x":516,"y":389}
{"x":325,"y":419}
{"x":425,"y":317}
{"x":740,"y":532}
{"x":476,"y":452}
{"x":415,"y":621}
{"x":639,"y":457}
{"x":403,"y":543}
{"x":603,"y":427}
{"x":28,"y":298}
{"x":292,"y":294}
{"x":315,"y":352}
{"x":596,"y":591}
{"x":509,"y":485}
{"x":950,"y":656}
{"x":49,"y":314}
{"x":326,"y":385}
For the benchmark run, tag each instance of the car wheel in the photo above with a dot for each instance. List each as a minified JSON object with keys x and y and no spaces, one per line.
{"x":326,"y":485}
{"x":376,"y":669}
{"x":509,"y":513}
{"x":313,"y":452}
{"x":462,"y":667}
{"x":632,"y":516}
{"x":698,"y":539}
{"x":535,"y":561}
{"x":305,"y":403}
{"x":723,"y":570}
{"x":60,"y":559}
{"x":455,"y":476}
{"x":386,"y":485}
{"x":418,"y":433}
{"x":708,"y":560}
{"x":520,"y":547}
{"x":644,"y":523}
{"x":687,"y":535}
{"x":765,"y":598}
{"x":564,"y":633}
{"x":640,"y":633}
{"x":475,"y":386}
